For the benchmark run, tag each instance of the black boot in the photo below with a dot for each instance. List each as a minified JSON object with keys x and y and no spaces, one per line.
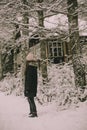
{"x":30,"y":113}
{"x":33,"y":115}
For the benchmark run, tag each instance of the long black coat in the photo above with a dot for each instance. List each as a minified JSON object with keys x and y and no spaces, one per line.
{"x":30,"y":81}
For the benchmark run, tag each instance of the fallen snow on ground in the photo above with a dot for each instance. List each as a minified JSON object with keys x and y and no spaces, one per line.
{"x":14,"y":116}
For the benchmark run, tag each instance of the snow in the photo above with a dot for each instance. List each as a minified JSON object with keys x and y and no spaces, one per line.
{"x":60,"y":88}
{"x":61,"y":107}
{"x":59,"y":21}
{"x":54,"y":21}
{"x":14,"y":116}
{"x":54,"y":113}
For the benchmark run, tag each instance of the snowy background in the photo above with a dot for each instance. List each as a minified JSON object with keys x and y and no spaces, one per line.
{"x":14,"y":116}
{"x":59,"y":103}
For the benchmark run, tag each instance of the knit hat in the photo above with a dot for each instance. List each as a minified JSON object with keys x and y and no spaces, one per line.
{"x":31,"y":57}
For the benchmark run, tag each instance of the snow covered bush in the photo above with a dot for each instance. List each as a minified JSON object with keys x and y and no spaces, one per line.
{"x":60,"y":87}
{"x":11,"y":85}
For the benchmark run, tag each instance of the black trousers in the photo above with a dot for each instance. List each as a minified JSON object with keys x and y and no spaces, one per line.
{"x":32,"y":105}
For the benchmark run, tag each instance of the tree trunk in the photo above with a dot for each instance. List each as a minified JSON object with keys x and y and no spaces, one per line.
{"x":79,"y":71}
{"x":24,"y":44}
{"x":15,"y":61}
{"x":1,"y":68}
{"x":42,"y":45}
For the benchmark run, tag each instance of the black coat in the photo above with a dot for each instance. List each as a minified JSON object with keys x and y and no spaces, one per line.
{"x":30,"y":81}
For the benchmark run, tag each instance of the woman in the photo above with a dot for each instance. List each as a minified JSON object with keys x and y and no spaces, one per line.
{"x":31,"y":83}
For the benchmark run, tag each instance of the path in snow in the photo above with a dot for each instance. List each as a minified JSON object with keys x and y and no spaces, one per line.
{"x":14,"y":110}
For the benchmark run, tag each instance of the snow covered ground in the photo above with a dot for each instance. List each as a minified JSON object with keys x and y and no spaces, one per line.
{"x":62,"y":93}
{"x":14,"y":116}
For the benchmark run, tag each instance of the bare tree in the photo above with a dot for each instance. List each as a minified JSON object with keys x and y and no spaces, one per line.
{"x":25,"y":35}
{"x":42,"y":43}
{"x":51,"y":7}
{"x":79,"y":68}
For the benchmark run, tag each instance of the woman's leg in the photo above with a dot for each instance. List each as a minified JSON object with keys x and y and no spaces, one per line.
{"x":32,"y":106}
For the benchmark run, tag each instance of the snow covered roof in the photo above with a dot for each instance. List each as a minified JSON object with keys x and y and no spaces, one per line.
{"x":60,"y":21}
{"x":54,"y":21}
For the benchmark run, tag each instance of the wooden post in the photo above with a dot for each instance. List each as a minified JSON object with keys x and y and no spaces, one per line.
{"x":44,"y":61}
{"x":65,"y":54}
